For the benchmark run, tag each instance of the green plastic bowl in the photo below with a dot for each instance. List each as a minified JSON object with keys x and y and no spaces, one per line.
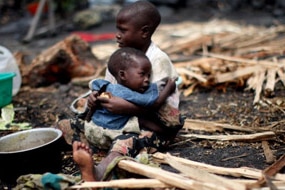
{"x":6,"y":86}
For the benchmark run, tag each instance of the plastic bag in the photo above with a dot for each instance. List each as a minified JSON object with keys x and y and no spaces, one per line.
{"x":8,"y":64}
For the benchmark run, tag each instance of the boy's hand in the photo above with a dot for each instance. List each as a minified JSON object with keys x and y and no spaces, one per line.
{"x":92,"y":98}
{"x":118,"y":105}
{"x":170,"y":85}
{"x":113,"y":104}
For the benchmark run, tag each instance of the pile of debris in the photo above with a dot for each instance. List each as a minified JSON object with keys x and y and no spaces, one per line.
{"x":250,"y":57}
{"x":193,"y":175}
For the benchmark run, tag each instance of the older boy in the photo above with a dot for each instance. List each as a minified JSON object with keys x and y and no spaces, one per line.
{"x":136,"y":24}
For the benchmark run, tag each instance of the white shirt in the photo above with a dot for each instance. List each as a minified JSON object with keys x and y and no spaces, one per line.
{"x":161,"y":67}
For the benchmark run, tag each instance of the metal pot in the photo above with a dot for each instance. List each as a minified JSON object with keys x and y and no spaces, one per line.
{"x":33,"y":151}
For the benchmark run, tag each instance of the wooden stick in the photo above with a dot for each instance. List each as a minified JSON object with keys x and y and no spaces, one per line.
{"x":197,"y":62}
{"x":259,"y":85}
{"x":252,"y":82}
{"x":270,"y":158}
{"x":190,"y":89}
{"x":51,"y":17}
{"x":123,"y":183}
{"x":191,"y":74}
{"x":252,"y":181}
{"x":256,"y":40}
{"x":266,"y":64}
{"x":271,"y":171}
{"x":252,"y":137}
{"x":203,"y":176}
{"x":275,"y":167}
{"x":229,"y":76}
{"x":281,"y":76}
{"x":235,"y":172}
{"x":35,"y":21}
{"x":169,"y":178}
{"x":207,"y":125}
{"x":192,"y":44}
{"x":235,"y":157}
{"x":270,"y":82}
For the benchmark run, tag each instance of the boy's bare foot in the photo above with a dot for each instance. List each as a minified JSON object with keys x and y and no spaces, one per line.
{"x":82,"y":155}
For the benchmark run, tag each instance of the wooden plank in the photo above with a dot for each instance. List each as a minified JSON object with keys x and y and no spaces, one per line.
{"x":251,"y":137}
{"x":269,"y":173}
{"x":251,"y":173}
{"x":281,"y":76}
{"x":270,"y":158}
{"x":123,"y":183}
{"x":196,"y":124}
{"x":204,"y":176}
{"x":258,"y":88}
{"x":169,"y":178}
{"x":191,"y":74}
{"x":240,"y":72}
{"x":270,"y":82}
{"x":266,"y":64}
{"x":35,"y":21}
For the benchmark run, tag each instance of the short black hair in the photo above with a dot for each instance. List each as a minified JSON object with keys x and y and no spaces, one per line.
{"x":144,"y":13}
{"x":122,"y":59}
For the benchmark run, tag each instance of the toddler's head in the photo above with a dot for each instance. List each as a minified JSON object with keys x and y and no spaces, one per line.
{"x":131,"y":68}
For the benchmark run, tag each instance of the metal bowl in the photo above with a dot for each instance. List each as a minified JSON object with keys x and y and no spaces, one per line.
{"x":33,"y":151}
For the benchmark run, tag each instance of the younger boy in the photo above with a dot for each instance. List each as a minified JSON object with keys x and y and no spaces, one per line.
{"x":132,"y":70}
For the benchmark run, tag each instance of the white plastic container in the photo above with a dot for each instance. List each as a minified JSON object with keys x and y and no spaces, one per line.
{"x":9,"y":64}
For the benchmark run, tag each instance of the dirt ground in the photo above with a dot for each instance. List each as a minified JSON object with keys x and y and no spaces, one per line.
{"x":44,"y":106}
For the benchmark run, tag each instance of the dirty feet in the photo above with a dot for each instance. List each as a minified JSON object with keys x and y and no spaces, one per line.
{"x":82,"y":155}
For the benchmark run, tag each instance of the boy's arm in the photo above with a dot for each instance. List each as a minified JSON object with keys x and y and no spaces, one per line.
{"x":118,"y":105}
{"x":95,"y":86}
{"x":168,"y":89}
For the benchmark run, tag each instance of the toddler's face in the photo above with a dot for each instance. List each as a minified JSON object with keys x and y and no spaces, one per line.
{"x":137,"y":77}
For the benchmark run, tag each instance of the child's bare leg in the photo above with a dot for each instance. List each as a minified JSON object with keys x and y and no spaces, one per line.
{"x":82,"y":155}
{"x":102,"y":166}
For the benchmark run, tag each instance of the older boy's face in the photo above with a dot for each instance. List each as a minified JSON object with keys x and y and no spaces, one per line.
{"x":128,"y":34}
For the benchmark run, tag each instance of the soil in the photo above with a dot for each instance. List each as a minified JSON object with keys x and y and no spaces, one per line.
{"x":42,"y":107}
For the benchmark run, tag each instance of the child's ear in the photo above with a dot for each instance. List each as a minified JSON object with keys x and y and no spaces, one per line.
{"x":122,"y":75}
{"x":145,"y":31}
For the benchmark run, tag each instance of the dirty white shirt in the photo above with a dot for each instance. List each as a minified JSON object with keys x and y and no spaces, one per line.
{"x":161,"y":67}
